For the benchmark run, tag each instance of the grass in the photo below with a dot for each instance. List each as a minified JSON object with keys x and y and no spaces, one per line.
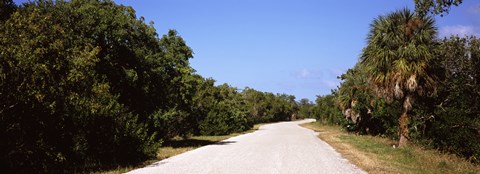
{"x":378,"y":155}
{"x":177,"y":146}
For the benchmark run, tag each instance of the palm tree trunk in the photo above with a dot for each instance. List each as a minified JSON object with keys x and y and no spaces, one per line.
{"x":404,"y":120}
{"x":403,"y":130}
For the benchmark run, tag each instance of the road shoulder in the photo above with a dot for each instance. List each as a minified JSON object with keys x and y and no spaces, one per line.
{"x":377,"y":154}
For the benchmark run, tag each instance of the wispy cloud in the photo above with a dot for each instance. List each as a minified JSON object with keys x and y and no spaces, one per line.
{"x":306,"y":73}
{"x":460,"y":30}
{"x":331,"y":84}
{"x":305,"y":80}
{"x":330,"y":73}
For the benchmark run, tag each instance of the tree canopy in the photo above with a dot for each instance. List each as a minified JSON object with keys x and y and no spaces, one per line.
{"x":86,"y":84}
{"x":423,"y":7}
{"x":438,"y":106}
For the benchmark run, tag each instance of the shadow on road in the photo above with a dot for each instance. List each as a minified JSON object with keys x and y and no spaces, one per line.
{"x":157,"y":164}
{"x":188,"y":143}
{"x":194,"y":143}
{"x":224,"y":142}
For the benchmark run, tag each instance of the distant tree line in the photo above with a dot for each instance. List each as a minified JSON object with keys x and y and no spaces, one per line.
{"x":412,"y":86}
{"x":86,"y":84}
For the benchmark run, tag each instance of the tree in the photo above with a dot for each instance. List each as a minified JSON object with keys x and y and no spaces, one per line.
{"x":177,"y":68}
{"x":170,"y":88}
{"x":85,"y":84}
{"x":255,"y":104}
{"x":7,"y":7}
{"x":355,"y":99}
{"x":353,"y":96}
{"x":78,"y":80}
{"x":305,"y":108}
{"x":454,"y":124}
{"x":422,"y":7}
{"x":226,"y":113}
{"x":326,"y":112}
{"x":397,"y":57}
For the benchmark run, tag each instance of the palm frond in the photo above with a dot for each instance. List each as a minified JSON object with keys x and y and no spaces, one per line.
{"x":398,"y":52}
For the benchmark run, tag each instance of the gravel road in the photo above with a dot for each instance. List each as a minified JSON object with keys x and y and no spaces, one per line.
{"x":275,"y":148}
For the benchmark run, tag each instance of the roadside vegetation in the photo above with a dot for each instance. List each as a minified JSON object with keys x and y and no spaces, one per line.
{"x":176,"y":146}
{"x":86,"y":85}
{"x":376,"y":154}
{"x":410,"y":86}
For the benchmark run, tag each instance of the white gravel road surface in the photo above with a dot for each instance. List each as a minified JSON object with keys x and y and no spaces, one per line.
{"x":275,"y":148}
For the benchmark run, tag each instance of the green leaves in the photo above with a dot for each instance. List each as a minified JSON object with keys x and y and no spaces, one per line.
{"x":456,"y":112}
{"x":84,"y":85}
{"x":7,"y":7}
{"x":403,"y":58}
{"x":400,"y":45}
{"x":435,"y":6}
{"x":73,"y":85}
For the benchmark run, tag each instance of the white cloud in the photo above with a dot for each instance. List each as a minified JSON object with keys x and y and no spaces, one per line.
{"x":459,"y":30}
{"x":304,"y":73}
{"x":330,"y":73}
{"x":307,"y":74}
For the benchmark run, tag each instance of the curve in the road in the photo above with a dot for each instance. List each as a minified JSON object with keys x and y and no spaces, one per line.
{"x":275,"y":148}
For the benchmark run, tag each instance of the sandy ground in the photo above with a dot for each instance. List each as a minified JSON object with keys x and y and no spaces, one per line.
{"x":275,"y":148}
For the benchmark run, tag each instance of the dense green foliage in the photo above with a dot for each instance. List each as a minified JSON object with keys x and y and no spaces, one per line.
{"x":445,"y":111}
{"x":63,"y":85}
{"x":305,"y":108}
{"x":85,"y":84}
{"x":326,"y":112}
{"x":397,"y":59}
{"x":452,"y":117}
{"x":7,"y":7}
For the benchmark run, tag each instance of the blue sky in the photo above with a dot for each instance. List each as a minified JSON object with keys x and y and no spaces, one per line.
{"x":297,"y":47}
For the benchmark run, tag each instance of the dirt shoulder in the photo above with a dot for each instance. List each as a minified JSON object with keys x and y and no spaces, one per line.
{"x":377,"y":154}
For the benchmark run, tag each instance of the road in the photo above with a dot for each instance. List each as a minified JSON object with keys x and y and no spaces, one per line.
{"x":275,"y":148}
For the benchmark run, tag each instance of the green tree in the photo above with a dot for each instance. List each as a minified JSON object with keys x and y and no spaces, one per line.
{"x":80,"y":81}
{"x":397,"y":57}
{"x":454,"y":123}
{"x":354,"y":94}
{"x":7,"y":7}
{"x":85,"y":84}
{"x":169,"y":88}
{"x":256,"y":104}
{"x":202,"y":102}
{"x":422,"y":7}
{"x":226,"y":114}
{"x":355,"y":99}
{"x":305,"y":108}
{"x":327,"y":112}
{"x":177,"y":68}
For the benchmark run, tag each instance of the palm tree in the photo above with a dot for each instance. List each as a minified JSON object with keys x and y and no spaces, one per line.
{"x":400,"y":47}
{"x":352,"y":91}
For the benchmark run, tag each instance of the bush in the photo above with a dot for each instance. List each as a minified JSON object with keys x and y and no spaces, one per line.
{"x":224,"y":120}
{"x":65,"y":69}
